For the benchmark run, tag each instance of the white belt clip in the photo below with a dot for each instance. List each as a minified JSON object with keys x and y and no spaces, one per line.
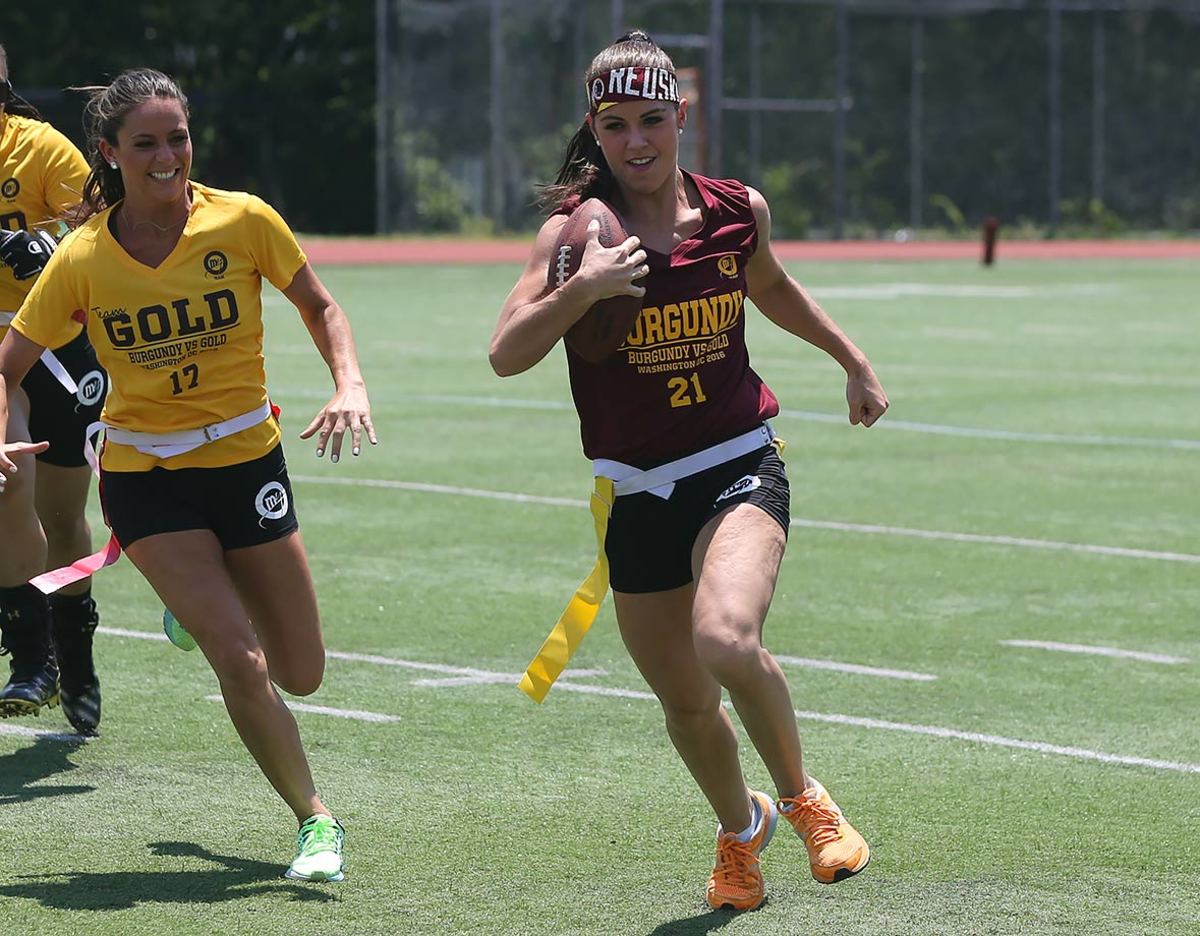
{"x":660,"y":480}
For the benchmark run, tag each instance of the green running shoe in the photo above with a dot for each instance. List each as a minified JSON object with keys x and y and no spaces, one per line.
{"x":319,"y":850}
{"x":175,"y":632}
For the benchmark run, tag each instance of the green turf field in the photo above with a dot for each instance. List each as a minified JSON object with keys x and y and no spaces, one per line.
{"x":1040,"y":408}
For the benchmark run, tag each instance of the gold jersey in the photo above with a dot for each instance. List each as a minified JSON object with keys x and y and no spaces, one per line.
{"x":41,"y":177}
{"x":182,"y":342}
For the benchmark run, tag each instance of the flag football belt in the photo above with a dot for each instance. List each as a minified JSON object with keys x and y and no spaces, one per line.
{"x":170,"y":444}
{"x":158,"y":444}
{"x":614,"y":479}
{"x":53,"y":364}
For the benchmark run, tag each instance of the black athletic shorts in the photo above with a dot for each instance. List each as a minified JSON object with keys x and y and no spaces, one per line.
{"x":649,"y":541}
{"x":59,"y":417}
{"x":244,"y":505}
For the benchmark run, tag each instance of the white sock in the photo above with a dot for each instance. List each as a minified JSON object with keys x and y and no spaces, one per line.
{"x":755,"y":820}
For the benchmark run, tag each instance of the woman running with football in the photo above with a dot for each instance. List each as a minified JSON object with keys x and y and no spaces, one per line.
{"x":43,"y":523}
{"x":675,"y":422}
{"x":167,"y":275}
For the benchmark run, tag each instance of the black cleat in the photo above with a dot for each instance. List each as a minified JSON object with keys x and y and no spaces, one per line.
{"x":32,"y":686}
{"x":25,"y":633}
{"x":73,"y":624}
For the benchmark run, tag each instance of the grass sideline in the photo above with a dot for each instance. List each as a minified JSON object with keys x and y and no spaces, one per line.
{"x":481,"y":813}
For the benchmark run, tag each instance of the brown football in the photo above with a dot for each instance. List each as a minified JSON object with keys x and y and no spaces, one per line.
{"x":602,"y":328}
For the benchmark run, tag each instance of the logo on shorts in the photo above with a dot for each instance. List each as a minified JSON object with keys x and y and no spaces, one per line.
{"x":271,"y":502}
{"x":91,"y":388}
{"x":215,"y":263}
{"x":9,"y":188}
{"x":739,"y":487}
{"x":727,"y":265}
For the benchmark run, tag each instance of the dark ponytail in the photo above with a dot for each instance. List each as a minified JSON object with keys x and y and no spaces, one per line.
{"x":13,"y":102}
{"x":105,"y":111}
{"x":584,"y":171}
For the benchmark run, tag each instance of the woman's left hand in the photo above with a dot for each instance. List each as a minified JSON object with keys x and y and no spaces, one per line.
{"x":350,"y":409}
{"x":865,"y":395}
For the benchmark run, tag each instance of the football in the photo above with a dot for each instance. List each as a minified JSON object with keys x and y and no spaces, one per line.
{"x":602,"y":328}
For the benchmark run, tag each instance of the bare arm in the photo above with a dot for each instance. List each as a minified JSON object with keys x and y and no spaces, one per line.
{"x":349,"y":407}
{"x":17,"y":355}
{"x":533,"y":319}
{"x":786,"y":303}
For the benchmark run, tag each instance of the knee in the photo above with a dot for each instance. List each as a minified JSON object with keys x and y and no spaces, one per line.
{"x":303,"y":679}
{"x":241,"y":668}
{"x":690,"y":714}
{"x":66,"y":528}
{"x":729,"y":648}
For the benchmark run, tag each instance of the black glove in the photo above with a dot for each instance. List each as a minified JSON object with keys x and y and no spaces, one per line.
{"x":26,"y":253}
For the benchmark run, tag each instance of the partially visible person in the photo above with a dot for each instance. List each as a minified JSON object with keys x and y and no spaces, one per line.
{"x":167,"y":274}
{"x":43,"y":520}
{"x":675,"y":423}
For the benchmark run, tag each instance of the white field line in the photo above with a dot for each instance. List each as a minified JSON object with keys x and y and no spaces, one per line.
{"x":135,"y":634}
{"x":933,"y":731}
{"x":1116,"y":378}
{"x":964,"y":291}
{"x":832,"y":718}
{"x":1017,"y":541}
{"x":853,"y":668}
{"x":24,"y":732}
{"x":899,"y":425}
{"x":451,"y":681}
{"x":355,"y":714}
{"x":1096,"y":651}
{"x":868,"y":528}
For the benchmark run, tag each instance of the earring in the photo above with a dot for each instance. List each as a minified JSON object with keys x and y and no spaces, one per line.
{"x":113,"y":164}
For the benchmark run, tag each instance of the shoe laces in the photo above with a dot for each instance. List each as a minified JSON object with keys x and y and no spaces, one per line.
{"x":821,"y":821}
{"x":736,"y":862}
{"x":319,"y":836}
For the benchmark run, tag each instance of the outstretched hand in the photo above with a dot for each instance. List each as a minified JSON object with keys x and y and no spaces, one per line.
{"x":866,"y":398}
{"x":9,"y":449}
{"x":347,"y":409}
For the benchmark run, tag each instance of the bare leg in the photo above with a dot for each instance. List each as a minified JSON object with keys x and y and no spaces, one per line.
{"x":657,"y":630}
{"x":188,"y":570}
{"x":736,"y":562}
{"x":24,"y":551}
{"x":61,"y":498}
{"x":276,"y":587}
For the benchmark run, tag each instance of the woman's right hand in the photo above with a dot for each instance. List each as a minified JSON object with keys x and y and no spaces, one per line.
{"x":9,"y":449}
{"x":611,"y":271}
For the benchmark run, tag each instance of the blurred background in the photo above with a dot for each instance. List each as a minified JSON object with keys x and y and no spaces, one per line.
{"x":857,"y":118}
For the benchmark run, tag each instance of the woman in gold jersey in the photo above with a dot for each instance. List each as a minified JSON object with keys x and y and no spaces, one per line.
{"x":43,"y":522}
{"x":166,"y":274}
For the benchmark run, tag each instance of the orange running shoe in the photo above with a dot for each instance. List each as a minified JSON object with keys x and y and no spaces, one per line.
{"x":736,"y":879}
{"x":835,"y":849}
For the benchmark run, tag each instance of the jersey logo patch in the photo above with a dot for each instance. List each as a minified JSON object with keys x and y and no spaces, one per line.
{"x":271,"y":502}
{"x":9,"y":188}
{"x":727,"y":266}
{"x":215,"y":264}
{"x":91,"y":388}
{"x":743,"y":485}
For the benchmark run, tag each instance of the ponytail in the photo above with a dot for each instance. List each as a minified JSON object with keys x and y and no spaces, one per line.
{"x":584,"y":172}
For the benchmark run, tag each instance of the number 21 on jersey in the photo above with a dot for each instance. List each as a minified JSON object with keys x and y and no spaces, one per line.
{"x":685,"y":392}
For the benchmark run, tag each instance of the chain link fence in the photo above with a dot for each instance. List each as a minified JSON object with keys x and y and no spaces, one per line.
{"x":855,"y":117}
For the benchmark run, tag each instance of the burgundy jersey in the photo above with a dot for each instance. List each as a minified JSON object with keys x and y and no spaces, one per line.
{"x":681,"y":381}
